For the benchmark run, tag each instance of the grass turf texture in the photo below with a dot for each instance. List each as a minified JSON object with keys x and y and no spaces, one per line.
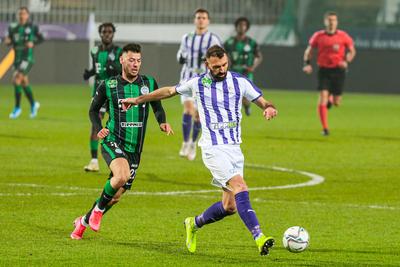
{"x":352,"y":217}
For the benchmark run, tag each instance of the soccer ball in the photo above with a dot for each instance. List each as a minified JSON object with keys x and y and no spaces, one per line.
{"x":296,"y":239}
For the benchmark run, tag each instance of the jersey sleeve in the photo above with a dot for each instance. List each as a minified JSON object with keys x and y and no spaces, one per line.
{"x":9,"y":31}
{"x":97,"y":102}
{"x":38,"y":37}
{"x":257,"y":50}
{"x":186,"y":87}
{"x":228,"y":46}
{"x":215,"y":40}
{"x":250,"y":91}
{"x":182,"y":52}
{"x":349,"y":43}
{"x":313,"y":42}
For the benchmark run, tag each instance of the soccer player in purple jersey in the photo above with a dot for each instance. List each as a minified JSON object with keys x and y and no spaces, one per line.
{"x":218,"y":94}
{"x":191,"y":53}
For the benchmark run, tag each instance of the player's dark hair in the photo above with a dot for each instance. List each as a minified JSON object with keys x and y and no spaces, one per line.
{"x":201,"y":10}
{"x":330,"y":13}
{"x":24,"y":8}
{"x":244,"y":19}
{"x":215,"y":51}
{"x":105,"y":25}
{"x":132,"y":47}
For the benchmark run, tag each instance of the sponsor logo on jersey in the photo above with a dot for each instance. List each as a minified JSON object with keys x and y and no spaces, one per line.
{"x":112,"y":83}
{"x":28,"y":30}
{"x":144,"y":90}
{"x":119,"y":151}
{"x":206,"y":81}
{"x":247,"y":48}
{"x":223,"y":125}
{"x":95,"y":50}
{"x":131,"y":124}
{"x":336,"y":47}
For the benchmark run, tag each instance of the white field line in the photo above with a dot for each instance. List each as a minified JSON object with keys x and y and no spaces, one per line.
{"x":315,"y":180}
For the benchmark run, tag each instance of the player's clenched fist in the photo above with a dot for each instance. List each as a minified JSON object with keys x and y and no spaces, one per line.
{"x":103,"y":133}
{"x":270,"y":112}
{"x":127,"y":103}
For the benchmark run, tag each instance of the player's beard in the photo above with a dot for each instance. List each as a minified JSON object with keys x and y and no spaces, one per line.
{"x":219,"y":78}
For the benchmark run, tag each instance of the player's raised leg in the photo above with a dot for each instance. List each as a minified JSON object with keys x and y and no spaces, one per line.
{"x":323,"y":110}
{"x":337,"y":100}
{"x":248,"y":215}
{"x":121,"y":173}
{"x":214,"y":213}
{"x":81,"y":223}
{"x":17,"y":81}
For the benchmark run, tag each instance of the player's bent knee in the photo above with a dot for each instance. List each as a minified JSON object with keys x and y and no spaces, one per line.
{"x":230,"y":210}
{"x":121,"y":179}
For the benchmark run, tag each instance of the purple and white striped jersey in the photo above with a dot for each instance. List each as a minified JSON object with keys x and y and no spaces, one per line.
{"x":193,"y":49}
{"x":219,"y":104}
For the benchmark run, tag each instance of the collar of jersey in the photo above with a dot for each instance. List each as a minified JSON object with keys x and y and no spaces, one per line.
{"x":125,"y":82}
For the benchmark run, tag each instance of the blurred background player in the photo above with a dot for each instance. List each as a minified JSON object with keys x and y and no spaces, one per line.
{"x":244,"y":53}
{"x":23,"y":36}
{"x":124,"y":134}
{"x":191,"y":54}
{"x":335,"y":52}
{"x":105,"y":64}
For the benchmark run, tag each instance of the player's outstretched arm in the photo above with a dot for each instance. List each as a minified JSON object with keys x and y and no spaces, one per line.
{"x":269,"y":109}
{"x":307,"y":68}
{"x":161,"y":93}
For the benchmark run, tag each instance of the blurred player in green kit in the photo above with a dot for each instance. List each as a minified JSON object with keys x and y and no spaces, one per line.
{"x":244,"y":53}
{"x":105,"y":64}
{"x":23,"y":36}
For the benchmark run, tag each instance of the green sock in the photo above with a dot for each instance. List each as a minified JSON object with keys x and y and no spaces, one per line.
{"x":18,"y":91}
{"x":106,"y":195}
{"x":94,"y":144}
{"x":29,"y":94}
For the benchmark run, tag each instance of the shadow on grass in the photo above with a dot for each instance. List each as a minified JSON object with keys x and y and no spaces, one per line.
{"x":379,"y":138}
{"x":326,"y":250}
{"x":178,"y":250}
{"x":297,"y":139}
{"x":155,"y":178}
{"x":11,"y":136}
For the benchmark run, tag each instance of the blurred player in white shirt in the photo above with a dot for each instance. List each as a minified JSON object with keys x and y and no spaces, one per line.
{"x":191,"y":54}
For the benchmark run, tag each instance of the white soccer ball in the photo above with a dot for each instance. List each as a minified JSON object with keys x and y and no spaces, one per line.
{"x":296,"y":239}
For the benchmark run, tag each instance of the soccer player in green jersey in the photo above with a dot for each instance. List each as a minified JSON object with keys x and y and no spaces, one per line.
{"x":105,"y":64}
{"x":244,"y":53}
{"x":123,"y":136}
{"x":23,"y":36}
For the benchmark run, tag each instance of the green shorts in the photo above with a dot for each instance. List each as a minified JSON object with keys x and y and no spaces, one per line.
{"x":23,"y":66}
{"x":111,"y":151}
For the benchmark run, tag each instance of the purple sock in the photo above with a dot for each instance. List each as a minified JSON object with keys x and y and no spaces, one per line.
{"x":196,"y":130}
{"x":247,"y":214}
{"x":186,"y":126}
{"x":214,"y":213}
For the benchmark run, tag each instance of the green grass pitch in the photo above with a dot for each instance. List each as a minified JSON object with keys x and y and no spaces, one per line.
{"x":353,"y":217}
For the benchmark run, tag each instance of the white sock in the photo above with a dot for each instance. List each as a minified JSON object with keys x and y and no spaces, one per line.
{"x":98,"y":209}
{"x":95,"y":161}
{"x":83,"y":222}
